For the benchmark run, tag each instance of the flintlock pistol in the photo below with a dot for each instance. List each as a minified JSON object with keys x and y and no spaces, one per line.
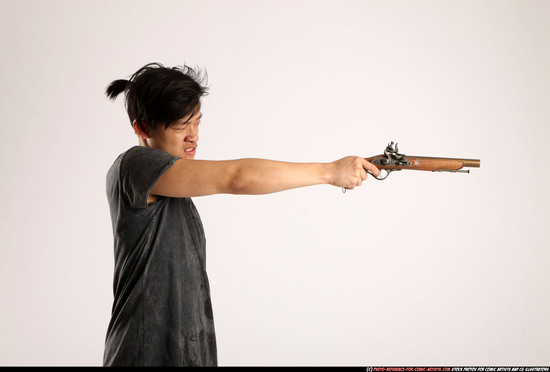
{"x":392,"y":161}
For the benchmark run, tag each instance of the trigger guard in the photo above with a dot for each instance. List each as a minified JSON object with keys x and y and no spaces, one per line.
{"x":382,"y":178}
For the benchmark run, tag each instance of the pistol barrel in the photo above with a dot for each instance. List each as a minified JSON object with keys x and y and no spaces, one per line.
{"x":472,"y":163}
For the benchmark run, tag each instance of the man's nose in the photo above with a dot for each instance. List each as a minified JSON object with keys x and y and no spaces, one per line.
{"x":193,"y":134}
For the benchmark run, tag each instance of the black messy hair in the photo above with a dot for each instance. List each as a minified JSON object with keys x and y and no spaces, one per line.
{"x":157,"y":96}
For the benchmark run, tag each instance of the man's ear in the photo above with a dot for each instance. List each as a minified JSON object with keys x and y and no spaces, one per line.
{"x":140,"y":130}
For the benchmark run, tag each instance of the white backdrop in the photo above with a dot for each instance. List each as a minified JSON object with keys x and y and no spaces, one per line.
{"x":421,"y":269}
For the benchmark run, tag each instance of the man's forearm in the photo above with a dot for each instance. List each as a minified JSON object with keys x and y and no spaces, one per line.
{"x":261,"y":176}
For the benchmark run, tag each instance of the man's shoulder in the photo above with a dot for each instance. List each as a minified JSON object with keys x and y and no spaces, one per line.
{"x":138,"y":168}
{"x":135,"y":154}
{"x":144,"y":154}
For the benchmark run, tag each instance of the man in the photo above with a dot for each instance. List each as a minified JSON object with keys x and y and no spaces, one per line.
{"x":162,"y":312}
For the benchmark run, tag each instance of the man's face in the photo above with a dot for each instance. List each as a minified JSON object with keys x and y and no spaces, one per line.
{"x":179,"y":139}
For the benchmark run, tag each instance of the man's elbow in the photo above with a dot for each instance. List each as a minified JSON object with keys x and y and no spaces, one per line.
{"x":244,"y":177}
{"x":238,"y":183}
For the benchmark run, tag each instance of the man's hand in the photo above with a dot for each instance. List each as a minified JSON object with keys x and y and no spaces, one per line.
{"x":351,"y":171}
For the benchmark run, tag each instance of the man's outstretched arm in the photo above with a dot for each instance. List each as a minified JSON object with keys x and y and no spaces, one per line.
{"x":189,"y":178}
